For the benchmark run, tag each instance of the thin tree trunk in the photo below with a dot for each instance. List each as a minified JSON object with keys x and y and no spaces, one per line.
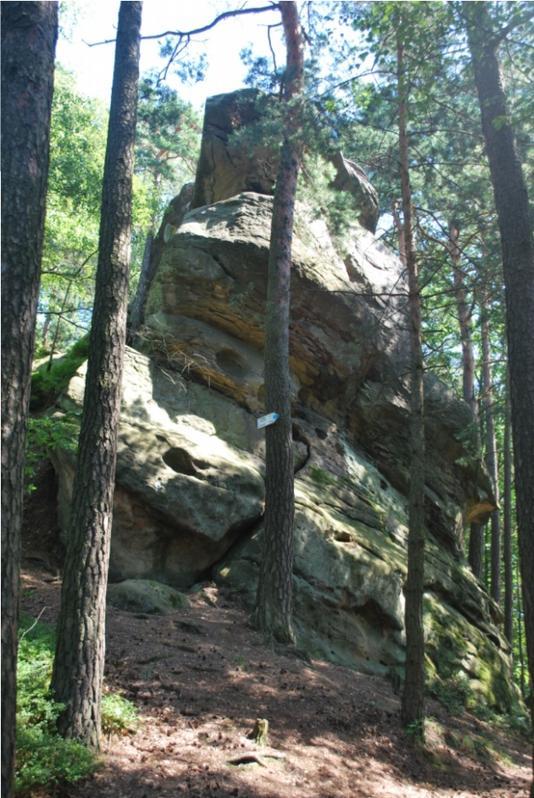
{"x":464,"y":320}
{"x":274,"y":598}
{"x":476,"y":535}
{"x":399,"y":227}
{"x":520,"y":650}
{"x":29,"y":33}
{"x":491,"y":457}
{"x":412,"y":705}
{"x":137,"y":309}
{"x":44,"y":334}
{"x":476,"y":549}
{"x":511,"y":202}
{"x":507,"y":530}
{"x":79,"y":662}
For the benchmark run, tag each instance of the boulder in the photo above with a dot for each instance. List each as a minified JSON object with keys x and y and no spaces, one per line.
{"x":187,"y":485}
{"x":190,"y":471}
{"x":143,"y":595}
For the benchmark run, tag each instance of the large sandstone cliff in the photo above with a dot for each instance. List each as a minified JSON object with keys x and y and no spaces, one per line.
{"x":189,"y":497}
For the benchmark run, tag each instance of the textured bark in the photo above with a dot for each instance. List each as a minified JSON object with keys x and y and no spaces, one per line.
{"x":476,"y":536}
{"x":464,"y":320}
{"x":491,"y":457}
{"x":476,"y":550}
{"x":79,"y":662}
{"x":412,"y":704}
{"x":507,"y":530}
{"x":520,"y":648}
{"x":137,"y":310}
{"x":274,"y":598}
{"x":29,"y":33}
{"x":511,"y":202}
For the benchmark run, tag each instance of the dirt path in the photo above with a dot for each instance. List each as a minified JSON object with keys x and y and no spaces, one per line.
{"x":200,"y":678}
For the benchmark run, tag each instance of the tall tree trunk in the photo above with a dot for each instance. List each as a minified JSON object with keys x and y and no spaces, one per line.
{"x":511,"y":202}
{"x":520,"y":652}
{"x":44,"y":334}
{"x":79,"y":662}
{"x":274,"y":598}
{"x":491,"y":456}
{"x":137,"y":309}
{"x":29,"y":33}
{"x":476,"y":535}
{"x":412,"y":705}
{"x":507,"y":529}
{"x":476,"y":549}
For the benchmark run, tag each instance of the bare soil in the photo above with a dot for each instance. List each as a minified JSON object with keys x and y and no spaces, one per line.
{"x":201,"y":677}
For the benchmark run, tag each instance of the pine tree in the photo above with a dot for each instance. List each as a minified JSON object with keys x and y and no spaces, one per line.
{"x":29,"y":34}
{"x":274,"y":598}
{"x":79,"y":661}
{"x":511,"y":202}
{"x":412,"y":705}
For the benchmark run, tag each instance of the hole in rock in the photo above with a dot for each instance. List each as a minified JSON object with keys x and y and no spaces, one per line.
{"x":383,"y":484}
{"x":320,"y":433}
{"x":182,"y":462}
{"x":231,"y":362}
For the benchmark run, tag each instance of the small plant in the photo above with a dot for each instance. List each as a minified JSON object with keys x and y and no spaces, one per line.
{"x":416,"y":730}
{"x":43,"y":757}
{"x":119,"y":716}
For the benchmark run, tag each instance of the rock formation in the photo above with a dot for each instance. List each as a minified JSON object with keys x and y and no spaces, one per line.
{"x":189,"y":497}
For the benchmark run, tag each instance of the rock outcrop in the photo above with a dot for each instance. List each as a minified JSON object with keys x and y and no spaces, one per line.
{"x":190,"y":488}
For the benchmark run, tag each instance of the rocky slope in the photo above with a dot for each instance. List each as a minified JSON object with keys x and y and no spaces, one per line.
{"x":189,"y":498}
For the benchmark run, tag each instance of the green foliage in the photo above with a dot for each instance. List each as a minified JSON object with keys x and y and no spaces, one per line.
{"x":416,"y":731}
{"x":51,"y":378}
{"x":43,"y":757}
{"x":119,"y":715}
{"x":44,"y":434}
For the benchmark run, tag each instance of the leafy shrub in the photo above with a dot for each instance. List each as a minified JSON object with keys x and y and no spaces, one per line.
{"x":119,"y":715}
{"x":43,"y":757}
{"x":44,"y":434}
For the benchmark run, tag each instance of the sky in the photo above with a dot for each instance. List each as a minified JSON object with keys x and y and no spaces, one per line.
{"x":88,"y":21}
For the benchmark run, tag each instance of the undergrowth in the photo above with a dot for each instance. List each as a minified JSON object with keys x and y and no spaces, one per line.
{"x":44,"y":434}
{"x":51,"y":378}
{"x":44,"y":759}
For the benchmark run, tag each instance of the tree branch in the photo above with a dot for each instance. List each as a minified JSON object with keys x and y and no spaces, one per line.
{"x":181,"y":34}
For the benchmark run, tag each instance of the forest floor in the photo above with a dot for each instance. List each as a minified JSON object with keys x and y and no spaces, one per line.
{"x":200,"y":677}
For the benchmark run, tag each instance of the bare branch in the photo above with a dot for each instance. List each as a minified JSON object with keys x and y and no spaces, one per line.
{"x":183,"y":34}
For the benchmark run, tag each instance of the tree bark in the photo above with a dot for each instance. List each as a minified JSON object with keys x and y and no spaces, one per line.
{"x":274,"y":598}
{"x":29,"y":33}
{"x":476,"y":535}
{"x":137,"y":309}
{"x":464,"y":320}
{"x":476,"y":549}
{"x":79,"y":661}
{"x":412,"y":704}
{"x":507,"y":530}
{"x":511,"y":202}
{"x":491,"y":456}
